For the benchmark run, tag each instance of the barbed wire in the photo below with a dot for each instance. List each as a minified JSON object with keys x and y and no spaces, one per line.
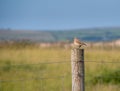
{"x":104,"y":61}
{"x":56,"y":77}
{"x":56,"y":62}
{"x":61,"y":77}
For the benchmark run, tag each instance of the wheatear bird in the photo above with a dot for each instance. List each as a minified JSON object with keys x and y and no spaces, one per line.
{"x":78,"y":43}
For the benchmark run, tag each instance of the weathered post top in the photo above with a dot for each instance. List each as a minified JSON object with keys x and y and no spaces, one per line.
{"x":77,"y":63}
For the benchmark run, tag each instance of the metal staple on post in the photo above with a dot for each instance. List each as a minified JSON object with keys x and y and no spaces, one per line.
{"x":77,"y":63}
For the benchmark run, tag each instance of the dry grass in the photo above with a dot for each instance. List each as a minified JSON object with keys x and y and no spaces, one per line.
{"x":27,"y":56}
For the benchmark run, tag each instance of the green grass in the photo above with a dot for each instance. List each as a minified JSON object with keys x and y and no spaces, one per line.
{"x":27,"y":69}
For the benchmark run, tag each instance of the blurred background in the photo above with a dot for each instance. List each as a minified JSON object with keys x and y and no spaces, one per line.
{"x":36,"y":38}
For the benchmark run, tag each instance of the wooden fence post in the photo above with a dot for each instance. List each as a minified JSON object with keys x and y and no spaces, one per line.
{"x":77,"y":62}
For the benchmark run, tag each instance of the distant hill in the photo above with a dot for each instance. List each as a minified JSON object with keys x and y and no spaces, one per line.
{"x":93,"y":34}
{"x":35,"y":36}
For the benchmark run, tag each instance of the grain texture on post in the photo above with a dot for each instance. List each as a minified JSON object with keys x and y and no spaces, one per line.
{"x":77,"y":63}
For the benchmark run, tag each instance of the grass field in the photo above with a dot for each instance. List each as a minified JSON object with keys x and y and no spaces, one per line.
{"x":49,"y":69}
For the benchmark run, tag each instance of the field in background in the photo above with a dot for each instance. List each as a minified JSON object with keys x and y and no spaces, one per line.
{"x":87,"y":34}
{"x":49,"y":69}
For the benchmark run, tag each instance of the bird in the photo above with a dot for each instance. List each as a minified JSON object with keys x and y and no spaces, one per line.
{"x":78,"y":43}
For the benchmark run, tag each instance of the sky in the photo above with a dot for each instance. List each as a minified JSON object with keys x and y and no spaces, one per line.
{"x":58,"y":14}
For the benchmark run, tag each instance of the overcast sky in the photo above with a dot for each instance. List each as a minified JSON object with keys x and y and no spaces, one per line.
{"x":58,"y":14}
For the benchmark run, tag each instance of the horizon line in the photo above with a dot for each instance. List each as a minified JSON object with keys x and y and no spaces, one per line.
{"x":83,"y":28}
